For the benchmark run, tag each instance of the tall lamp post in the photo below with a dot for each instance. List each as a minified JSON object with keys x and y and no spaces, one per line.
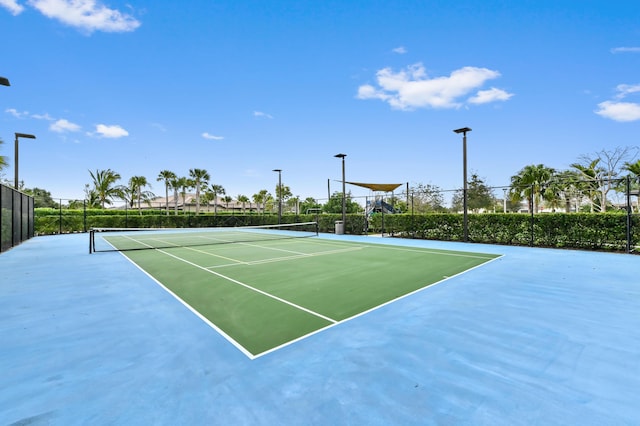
{"x":344,"y":193}
{"x":465,"y":223}
{"x":279,"y":194}
{"x":19,"y":135}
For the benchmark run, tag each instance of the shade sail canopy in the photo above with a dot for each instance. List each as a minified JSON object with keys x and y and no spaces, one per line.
{"x":384,"y":187}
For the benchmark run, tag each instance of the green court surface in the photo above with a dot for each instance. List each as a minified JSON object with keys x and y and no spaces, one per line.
{"x":262,"y":295}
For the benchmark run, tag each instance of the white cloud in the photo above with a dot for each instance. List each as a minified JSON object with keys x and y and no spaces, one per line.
{"x":209,"y":136}
{"x":16,"y":113}
{"x":262,"y":114}
{"x":44,"y":116}
{"x":113,"y":132}
{"x":627,"y":89}
{"x":411,"y":88}
{"x":491,"y":95}
{"x":625,"y":50}
{"x":87,"y":15}
{"x":400,"y":50}
{"x":619,"y":111}
{"x":63,"y":125}
{"x":12,"y":6}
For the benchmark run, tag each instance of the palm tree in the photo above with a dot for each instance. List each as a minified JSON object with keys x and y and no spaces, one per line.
{"x":293,"y":203}
{"x":175,"y":184}
{"x":184,"y":184}
{"x":257,"y":198}
{"x":634,"y":168}
{"x":530,"y":183}
{"x":227,"y":199}
{"x":103,"y":185}
{"x":243,"y":199}
{"x":200,"y":177}
{"x":215,"y":190}
{"x":590,"y":183}
{"x":136,"y":183}
{"x":562,"y":190}
{"x":167,"y":176}
{"x":261,"y":199}
{"x":91,"y":196}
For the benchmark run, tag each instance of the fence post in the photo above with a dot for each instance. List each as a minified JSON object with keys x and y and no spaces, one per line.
{"x":628,"y":191}
{"x":60,"y":222}
{"x":531,"y":206}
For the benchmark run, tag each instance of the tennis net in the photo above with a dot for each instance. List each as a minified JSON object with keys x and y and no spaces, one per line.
{"x":123,"y":239}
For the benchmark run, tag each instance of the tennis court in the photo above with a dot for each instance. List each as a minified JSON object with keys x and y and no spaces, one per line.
{"x":536,"y":336}
{"x":265,"y":287}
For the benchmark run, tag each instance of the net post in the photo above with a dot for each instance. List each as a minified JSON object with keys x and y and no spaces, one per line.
{"x":91,"y":241}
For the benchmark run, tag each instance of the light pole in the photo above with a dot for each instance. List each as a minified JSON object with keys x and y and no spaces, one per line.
{"x":344,"y":193}
{"x":504,"y":200}
{"x":465,"y":224}
{"x":15,"y":160}
{"x":279,"y":194}
{"x":4,"y":81}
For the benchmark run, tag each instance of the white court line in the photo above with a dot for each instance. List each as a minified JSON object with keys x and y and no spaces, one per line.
{"x":417,"y":250}
{"x":235,"y":261}
{"x":281,"y":259}
{"x":264,"y":293}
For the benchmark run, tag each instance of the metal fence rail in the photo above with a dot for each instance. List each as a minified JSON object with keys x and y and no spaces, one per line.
{"x":17,"y":218}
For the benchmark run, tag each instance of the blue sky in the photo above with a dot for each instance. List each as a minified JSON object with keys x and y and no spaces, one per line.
{"x":243,"y":87}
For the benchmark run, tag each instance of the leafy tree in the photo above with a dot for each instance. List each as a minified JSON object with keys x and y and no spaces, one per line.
{"x":479,"y":196}
{"x":610,"y":163}
{"x":3,"y":160}
{"x":167,"y":176}
{"x":334,"y":204}
{"x":200,"y":177}
{"x":425,"y":198}
{"x":293,"y":204}
{"x":41,"y":198}
{"x":309,"y":203}
{"x":529,"y":183}
{"x":104,"y":185}
{"x":284,"y":192}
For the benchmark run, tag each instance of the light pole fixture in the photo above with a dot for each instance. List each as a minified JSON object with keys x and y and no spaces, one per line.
{"x":344,"y":193}
{"x":15,"y":158}
{"x":4,"y":81}
{"x":465,"y":223}
{"x":279,"y":194}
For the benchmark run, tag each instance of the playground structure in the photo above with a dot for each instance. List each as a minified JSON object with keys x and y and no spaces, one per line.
{"x":377,"y":204}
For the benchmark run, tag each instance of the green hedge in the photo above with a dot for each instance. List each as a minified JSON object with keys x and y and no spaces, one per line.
{"x":605,"y":231}
{"x":575,"y":230}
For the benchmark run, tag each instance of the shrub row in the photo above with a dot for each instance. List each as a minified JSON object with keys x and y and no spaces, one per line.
{"x":561,"y":230}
